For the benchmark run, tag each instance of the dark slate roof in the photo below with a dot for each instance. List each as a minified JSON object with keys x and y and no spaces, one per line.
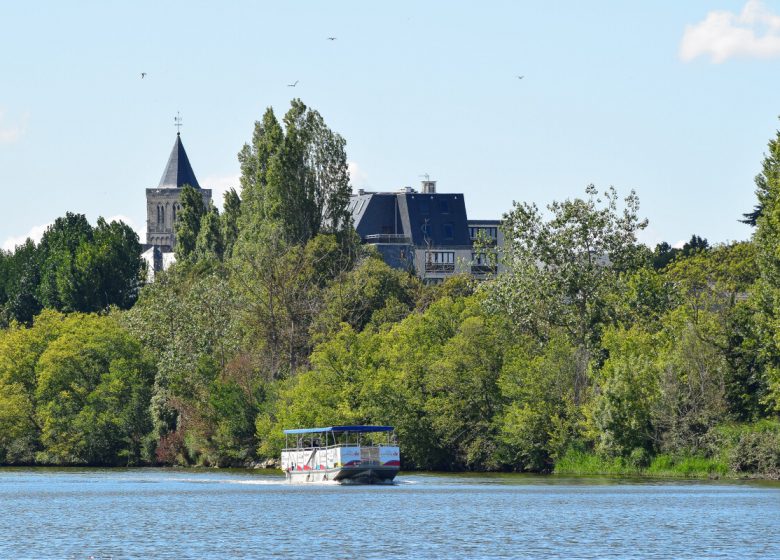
{"x":424,"y":219}
{"x":178,"y":172}
{"x":437,"y":219}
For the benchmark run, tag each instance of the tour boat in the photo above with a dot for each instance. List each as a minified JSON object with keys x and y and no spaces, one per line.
{"x":356,"y":454}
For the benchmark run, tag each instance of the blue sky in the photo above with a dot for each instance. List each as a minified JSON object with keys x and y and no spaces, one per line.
{"x":676,"y":100}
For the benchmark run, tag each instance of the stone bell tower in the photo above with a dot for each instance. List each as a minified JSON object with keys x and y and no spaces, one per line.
{"x":164,"y":202}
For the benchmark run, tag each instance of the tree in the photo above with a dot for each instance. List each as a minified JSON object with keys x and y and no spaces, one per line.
{"x":106,"y":271}
{"x":561,"y":272}
{"x":73,"y":390}
{"x":255,"y":160}
{"x":188,"y":221}
{"x":766,"y":238}
{"x":22,"y":281}
{"x":295,"y":177}
{"x":628,"y":392}
{"x":766,"y":183}
{"x":693,"y":245}
{"x":92,"y":394}
{"x":229,"y":220}
{"x":210,"y":244}
{"x":360,"y":295}
{"x":540,"y":386}
{"x":59,"y":245}
{"x":186,"y":320}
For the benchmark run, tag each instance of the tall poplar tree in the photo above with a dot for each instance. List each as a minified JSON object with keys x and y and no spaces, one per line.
{"x":295,"y":178}
{"x":767,"y":241}
{"x":188,"y":221}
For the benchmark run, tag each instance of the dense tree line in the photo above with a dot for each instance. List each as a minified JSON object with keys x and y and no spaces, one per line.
{"x":74,"y":268}
{"x":590,"y":349}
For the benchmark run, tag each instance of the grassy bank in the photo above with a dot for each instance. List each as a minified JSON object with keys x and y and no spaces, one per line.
{"x":583,"y":463}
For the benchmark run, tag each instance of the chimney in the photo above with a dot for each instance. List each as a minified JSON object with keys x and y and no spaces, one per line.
{"x":429,"y":187}
{"x":361,"y":192}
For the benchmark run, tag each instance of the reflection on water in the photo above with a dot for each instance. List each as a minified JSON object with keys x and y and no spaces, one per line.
{"x":157,"y":513}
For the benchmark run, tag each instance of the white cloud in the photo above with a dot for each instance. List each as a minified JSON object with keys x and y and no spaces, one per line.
{"x":11,"y":132}
{"x":35,"y":233}
{"x":357,"y":177}
{"x":679,"y":244}
{"x":754,"y":33}
{"x":219,"y":185}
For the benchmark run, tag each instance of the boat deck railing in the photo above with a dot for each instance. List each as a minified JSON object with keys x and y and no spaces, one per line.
{"x":338,"y":445}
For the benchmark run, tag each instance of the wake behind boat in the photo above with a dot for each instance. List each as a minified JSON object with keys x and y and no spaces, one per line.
{"x":359,"y":454}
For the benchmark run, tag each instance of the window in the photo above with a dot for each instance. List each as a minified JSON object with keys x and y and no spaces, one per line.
{"x":440,"y":261}
{"x":449,"y":231}
{"x":444,"y":206}
{"x":482,"y":263}
{"x":424,"y":207}
{"x":483,"y":232}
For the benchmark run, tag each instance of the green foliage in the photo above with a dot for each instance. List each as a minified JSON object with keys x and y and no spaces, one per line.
{"x":750,"y":449}
{"x":661,"y":466}
{"x":74,"y":268}
{"x":57,"y":258}
{"x":188,"y":221}
{"x":229,"y":221}
{"x":295,"y":178}
{"x":21,"y":278}
{"x":210,"y":244}
{"x":542,"y":386}
{"x":372,"y":292}
{"x":664,"y":253}
{"x":74,"y":390}
{"x":590,"y":354}
{"x":561,"y":272}
{"x":628,"y":393}
{"x":186,"y":319}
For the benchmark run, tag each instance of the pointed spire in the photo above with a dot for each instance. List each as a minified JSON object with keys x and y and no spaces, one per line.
{"x":178,"y":172}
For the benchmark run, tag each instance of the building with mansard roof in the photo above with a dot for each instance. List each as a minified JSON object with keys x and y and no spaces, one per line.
{"x":426,"y":232}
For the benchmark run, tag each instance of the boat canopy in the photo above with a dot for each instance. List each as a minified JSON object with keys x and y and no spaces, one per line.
{"x":341,"y":429}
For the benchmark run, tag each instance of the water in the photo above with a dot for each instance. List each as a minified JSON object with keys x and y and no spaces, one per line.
{"x":155,"y":513}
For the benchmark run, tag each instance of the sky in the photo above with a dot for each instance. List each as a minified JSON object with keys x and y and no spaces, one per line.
{"x":676,"y":100}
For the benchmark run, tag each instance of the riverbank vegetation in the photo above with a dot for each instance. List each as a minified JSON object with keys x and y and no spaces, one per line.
{"x":588,"y":353}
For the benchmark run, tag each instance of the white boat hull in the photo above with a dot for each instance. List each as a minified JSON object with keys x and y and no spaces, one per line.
{"x":346,"y":464}
{"x":347,"y":475}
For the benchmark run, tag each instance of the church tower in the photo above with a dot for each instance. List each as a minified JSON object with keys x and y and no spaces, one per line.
{"x":163,"y":202}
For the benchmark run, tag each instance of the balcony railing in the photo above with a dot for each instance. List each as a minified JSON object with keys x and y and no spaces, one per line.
{"x":440,"y":267}
{"x":388,"y":238}
{"x":483,"y":269}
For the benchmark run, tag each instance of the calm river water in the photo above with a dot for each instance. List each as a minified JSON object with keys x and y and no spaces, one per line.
{"x":155,"y":513}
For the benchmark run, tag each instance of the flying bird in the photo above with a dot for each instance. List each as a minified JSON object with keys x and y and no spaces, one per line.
{"x":331,"y":38}
{"x":293,"y":84}
{"x":143,"y":75}
{"x":520,"y":77}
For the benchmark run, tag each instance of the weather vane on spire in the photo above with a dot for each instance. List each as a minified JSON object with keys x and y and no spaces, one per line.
{"x":177,"y":122}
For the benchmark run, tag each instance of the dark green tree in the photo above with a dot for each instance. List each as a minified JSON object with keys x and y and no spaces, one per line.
{"x":209,"y":244}
{"x":296,"y":178}
{"x":188,"y":222}
{"x":255,"y":160}
{"x":57,"y":249}
{"x":22,"y":280}
{"x":229,"y":219}
{"x":766,"y":182}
